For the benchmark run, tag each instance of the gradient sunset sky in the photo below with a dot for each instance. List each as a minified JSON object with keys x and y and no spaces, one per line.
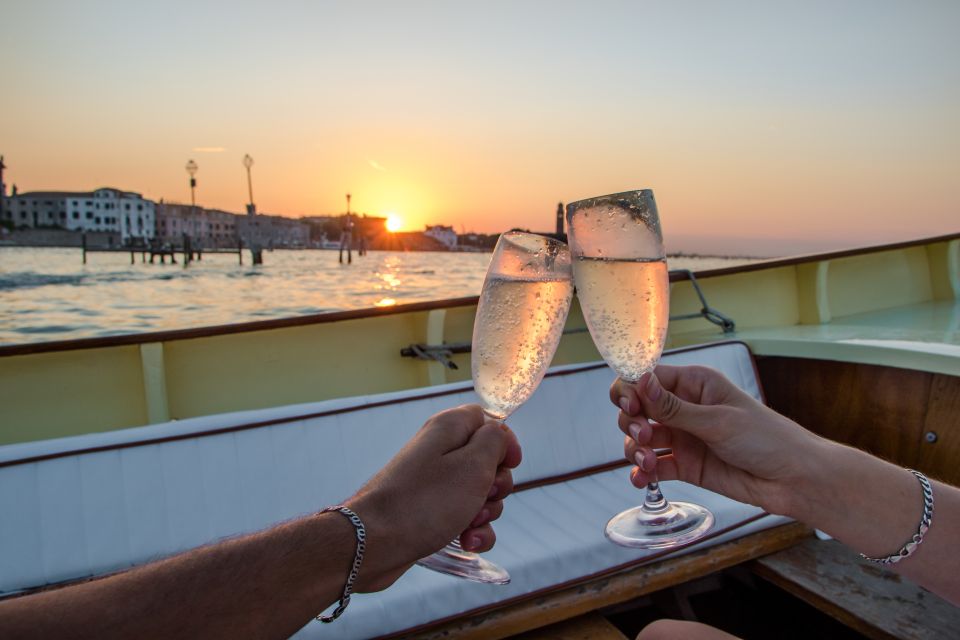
{"x":763,"y":127}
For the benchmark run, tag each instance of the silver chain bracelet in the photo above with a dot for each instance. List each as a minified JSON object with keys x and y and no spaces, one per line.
{"x":914,"y":542}
{"x":357,"y":560}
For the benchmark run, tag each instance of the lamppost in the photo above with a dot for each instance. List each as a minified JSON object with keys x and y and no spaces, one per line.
{"x":192,"y":171}
{"x":248,"y":162}
{"x":3,"y":188}
{"x":346,"y":236}
{"x":256,"y":251}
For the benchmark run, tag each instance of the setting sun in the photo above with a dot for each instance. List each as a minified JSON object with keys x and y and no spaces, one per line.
{"x":393,"y":222}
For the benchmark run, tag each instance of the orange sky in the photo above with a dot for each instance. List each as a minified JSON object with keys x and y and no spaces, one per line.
{"x":757,"y":127}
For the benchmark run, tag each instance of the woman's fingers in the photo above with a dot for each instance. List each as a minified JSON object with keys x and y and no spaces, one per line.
{"x":644,"y":432}
{"x":624,"y":395}
{"x":666,"y":469}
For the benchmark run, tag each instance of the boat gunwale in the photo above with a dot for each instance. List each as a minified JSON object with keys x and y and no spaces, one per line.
{"x":133,"y":339}
{"x":452,"y":389}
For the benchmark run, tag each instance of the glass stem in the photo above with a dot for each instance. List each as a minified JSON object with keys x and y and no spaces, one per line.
{"x":654,"y":502}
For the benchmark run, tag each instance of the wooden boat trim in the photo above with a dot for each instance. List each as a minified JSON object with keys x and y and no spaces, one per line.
{"x":816,"y":257}
{"x":375,"y":312}
{"x":616,"y":584}
{"x":227,"y":329}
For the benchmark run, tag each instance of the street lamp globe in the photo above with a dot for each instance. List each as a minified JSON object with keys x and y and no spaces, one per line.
{"x":191,"y":168}
{"x":247,"y":161}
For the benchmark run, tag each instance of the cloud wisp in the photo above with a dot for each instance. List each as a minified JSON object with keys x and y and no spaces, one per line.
{"x":376,"y":165}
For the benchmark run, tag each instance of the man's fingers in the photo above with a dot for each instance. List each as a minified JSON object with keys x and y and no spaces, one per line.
{"x":502,"y":485}
{"x":490,"y":512}
{"x":478,"y":539}
{"x":496,"y":446}
{"x":513,"y":454}
{"x":454,"y":428}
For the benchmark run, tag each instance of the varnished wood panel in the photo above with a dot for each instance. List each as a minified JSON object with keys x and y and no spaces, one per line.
{"x":879,"y":409}
{"x":591,"y":626}
{"x":577,"y":600}
{"x":883,"y":410}
{"x":872,"y":600}
{"x":941,"y":458}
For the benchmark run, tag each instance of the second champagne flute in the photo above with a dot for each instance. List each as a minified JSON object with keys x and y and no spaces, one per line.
{"x":523,"y":307}
{"x":624,"y":291}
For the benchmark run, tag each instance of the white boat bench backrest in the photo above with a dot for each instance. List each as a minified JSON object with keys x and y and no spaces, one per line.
{"x":92,"y":504}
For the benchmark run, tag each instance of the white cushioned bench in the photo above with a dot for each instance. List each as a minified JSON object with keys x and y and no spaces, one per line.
{"x":76,"y":507}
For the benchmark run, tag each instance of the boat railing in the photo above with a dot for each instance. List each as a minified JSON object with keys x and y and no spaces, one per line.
{"x":443,"y":353}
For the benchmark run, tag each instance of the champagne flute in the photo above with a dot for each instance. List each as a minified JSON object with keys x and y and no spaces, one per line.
{"x":523,"y":307}
{"x":624,"y":288}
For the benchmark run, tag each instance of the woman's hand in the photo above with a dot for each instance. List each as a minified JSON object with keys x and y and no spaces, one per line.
{"x":721,"y":438}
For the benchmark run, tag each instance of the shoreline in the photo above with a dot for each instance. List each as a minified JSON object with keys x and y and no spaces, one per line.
{"x":115,"y":249}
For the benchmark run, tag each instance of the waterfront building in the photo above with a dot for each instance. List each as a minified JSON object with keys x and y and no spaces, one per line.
{"x":127,"y":214}
{"x":206,"y":228}
{"x":442,"y":233}
{"x":217,"y":229}
{"x":273,"y":232}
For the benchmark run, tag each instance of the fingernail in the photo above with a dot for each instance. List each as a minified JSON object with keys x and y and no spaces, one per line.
{"x":644,"y":461}
{"x":635,"y":431}
{"x":653,"y":388}
{"x":492,"y":492}
{"x":473,"y":542}
{"x":625,"y":404}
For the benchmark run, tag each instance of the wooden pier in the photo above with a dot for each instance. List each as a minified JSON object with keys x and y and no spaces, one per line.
{"x":188,"y":253}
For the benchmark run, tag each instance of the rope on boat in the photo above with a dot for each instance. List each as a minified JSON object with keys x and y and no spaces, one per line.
{"x":706,"y":311}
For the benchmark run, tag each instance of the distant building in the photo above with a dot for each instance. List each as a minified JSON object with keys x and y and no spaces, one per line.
{"x":272,"y":232}
{"x":125,"y":213}
{"x":216,"y":229}
{"x":443,"y":234}
{"x":206,"y":228}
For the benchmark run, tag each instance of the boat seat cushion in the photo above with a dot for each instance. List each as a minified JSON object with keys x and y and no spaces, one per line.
{"x":76,"y":507}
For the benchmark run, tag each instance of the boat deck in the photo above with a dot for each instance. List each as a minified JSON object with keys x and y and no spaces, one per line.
{"x":923,"y":337}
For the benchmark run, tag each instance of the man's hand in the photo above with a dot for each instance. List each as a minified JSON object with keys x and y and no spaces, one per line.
{"x":449,"y":480}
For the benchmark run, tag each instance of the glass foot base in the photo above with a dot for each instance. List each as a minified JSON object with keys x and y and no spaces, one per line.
{"x":464,"y":564}
{"x":676,"y":524}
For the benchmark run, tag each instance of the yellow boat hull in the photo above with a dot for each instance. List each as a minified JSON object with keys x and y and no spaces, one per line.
{"x":880,"y":305}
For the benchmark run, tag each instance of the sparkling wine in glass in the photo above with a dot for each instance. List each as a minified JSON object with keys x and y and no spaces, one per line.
{"x":624,"y":288}
{"x":523,"y":307}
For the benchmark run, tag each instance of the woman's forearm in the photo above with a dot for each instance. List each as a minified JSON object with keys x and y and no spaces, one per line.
{"x":875,"y":507}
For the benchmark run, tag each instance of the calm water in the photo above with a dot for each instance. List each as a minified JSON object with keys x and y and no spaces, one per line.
{"x":48,"y":294}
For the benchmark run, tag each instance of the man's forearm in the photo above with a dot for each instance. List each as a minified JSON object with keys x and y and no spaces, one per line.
{"x":263,"y":585}
{"x":875,"y":507}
